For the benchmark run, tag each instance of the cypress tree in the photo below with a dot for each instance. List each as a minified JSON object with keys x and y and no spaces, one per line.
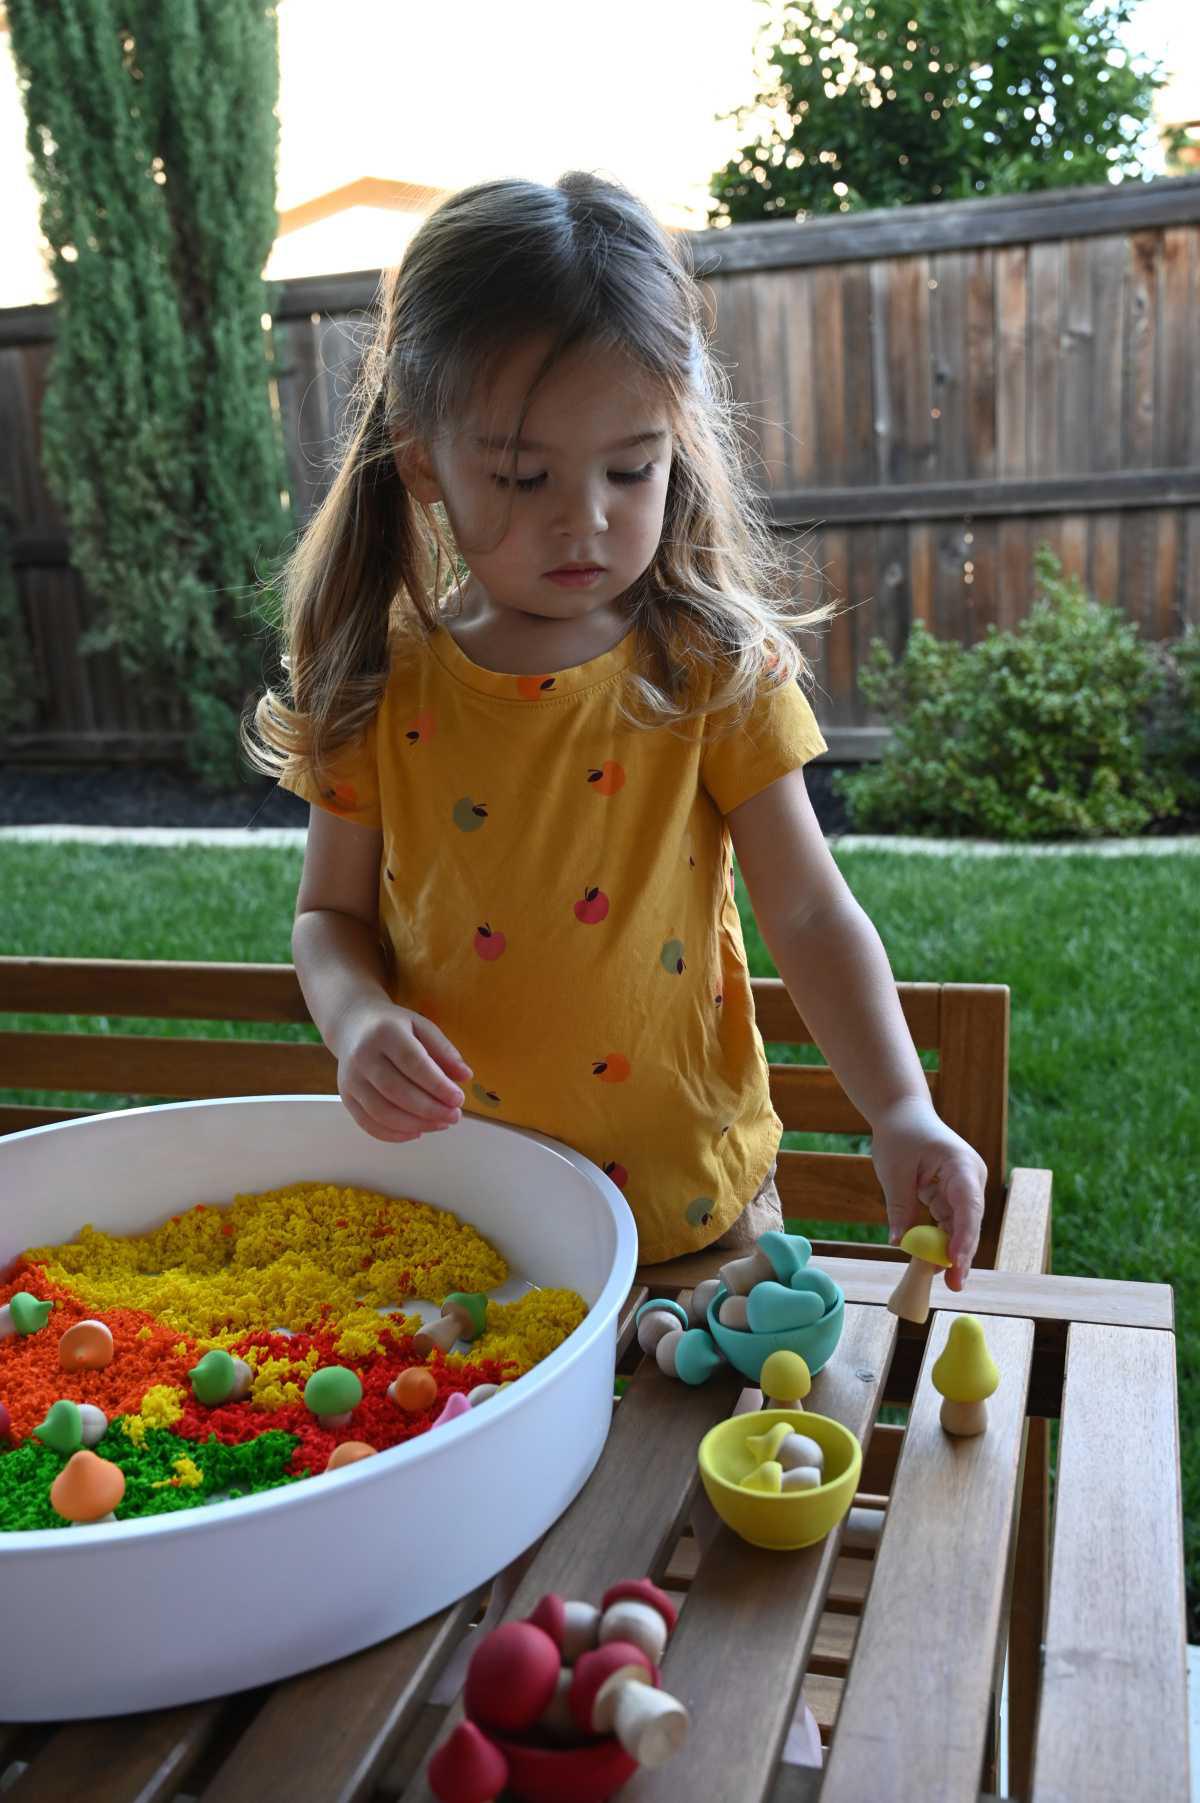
{"x":153,"y":134}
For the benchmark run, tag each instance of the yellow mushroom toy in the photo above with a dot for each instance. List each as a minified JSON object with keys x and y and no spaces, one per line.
{"x":928,"y":1251}
{"x":965,"y":1375}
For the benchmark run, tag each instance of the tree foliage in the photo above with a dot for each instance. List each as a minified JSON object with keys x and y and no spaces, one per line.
{"x":874,"y":103}
{"x":153,"y":135}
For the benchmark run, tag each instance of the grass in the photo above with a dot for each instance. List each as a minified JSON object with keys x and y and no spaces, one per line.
{"x":1099,"y":954}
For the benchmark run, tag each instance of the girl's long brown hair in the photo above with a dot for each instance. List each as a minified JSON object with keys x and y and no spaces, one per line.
{"x":581,"y":263}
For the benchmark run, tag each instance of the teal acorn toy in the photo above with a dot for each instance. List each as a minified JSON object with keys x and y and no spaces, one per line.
{"x":777,"y":1308}
{"x":333,"y":1393}
{"x":23,"y":1314}
{"x":219,"y":1377}
{"x":70,"y":1425}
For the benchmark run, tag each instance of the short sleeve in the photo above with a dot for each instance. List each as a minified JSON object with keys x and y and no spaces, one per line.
{"x":779,"y":734}
{"x":349,"y":785}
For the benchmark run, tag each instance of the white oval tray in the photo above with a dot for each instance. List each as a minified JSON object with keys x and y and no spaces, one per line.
{"x":153,"y":1612}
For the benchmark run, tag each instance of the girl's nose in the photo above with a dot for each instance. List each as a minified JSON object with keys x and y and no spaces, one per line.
{"x":581,"y":511}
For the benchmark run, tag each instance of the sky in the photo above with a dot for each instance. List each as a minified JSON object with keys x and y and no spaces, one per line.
{"x":448,"y":94}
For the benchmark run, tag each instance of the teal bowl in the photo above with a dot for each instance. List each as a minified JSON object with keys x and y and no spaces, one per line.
{"x":748,"y":1352}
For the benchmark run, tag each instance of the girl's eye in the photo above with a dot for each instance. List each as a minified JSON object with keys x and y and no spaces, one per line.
{"x":523,"y":484}
{"x":627,"y":476}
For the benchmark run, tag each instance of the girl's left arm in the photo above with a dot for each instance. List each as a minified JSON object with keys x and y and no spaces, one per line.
{"x":836,"y":971}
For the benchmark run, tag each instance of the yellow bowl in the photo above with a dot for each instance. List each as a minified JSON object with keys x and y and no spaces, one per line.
{"x":797,"y":1517}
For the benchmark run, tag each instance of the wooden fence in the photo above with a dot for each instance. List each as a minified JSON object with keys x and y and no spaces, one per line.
{"x":933,"y":392}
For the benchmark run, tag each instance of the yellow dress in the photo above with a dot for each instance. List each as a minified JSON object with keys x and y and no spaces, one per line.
{"x":556,"y":893}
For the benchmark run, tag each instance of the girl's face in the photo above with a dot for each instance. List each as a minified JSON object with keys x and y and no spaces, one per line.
{"x":562,"y":520}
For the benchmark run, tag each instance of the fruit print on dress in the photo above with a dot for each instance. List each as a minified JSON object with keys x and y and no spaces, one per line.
{"x":530,"y":687}
{"x":607,"y":779}
{"x":616,"y":1173}
{"x":469,"y":815}
{"x":613,"y":1068}
{"x":671,"y":957}
{"x":489,"y":944}
{"x":699,"y":1213}
{"x":593,"y":908}
{"x":488,"y":1097}
{"x":341,"y":797}
{"x":420,"y":729}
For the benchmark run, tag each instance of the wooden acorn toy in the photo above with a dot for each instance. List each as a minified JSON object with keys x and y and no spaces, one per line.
{"x":820,"y":1282}
{"x":463,"y":1317}
{"x":701,"y":1296}
{"x":741,"y":1274}
{"x":657,"y":1318}
{"x":71,"y":1425}
{"x":219,"y":1377}
{"x":927,"y":1249}
{"x":786,"y":1253}
{"x":88,"y":1346}
{"x":965,"y":1375}
{"x":776,"y":1308}
{"x":689,"y":1355}
{"x":23,"y":1313}
{"x":414,"y":1390}
{"x":785,"y":1380}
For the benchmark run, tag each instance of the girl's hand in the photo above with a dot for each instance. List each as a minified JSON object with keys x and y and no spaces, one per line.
{"x":397,"y":1073}
{"x":922,"y":1163}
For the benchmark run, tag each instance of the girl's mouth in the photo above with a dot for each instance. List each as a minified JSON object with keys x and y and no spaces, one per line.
{"x":575,"y":575}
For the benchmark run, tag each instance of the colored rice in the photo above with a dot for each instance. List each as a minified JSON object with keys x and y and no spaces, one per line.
{"x":290,"y":1281}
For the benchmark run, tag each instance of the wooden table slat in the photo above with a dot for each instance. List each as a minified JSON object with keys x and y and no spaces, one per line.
{"x":124,"y":1758}
{"x":1050,"y":1302}
{"x":765,"y":1604}
{"x":1114,"y":1689}
{"x":324,"y":1736}
{"x":916,"y":1702}
{"x":627,"y":1516}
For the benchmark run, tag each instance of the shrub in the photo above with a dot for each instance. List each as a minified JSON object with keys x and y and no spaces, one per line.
{"x":1037,"y":733}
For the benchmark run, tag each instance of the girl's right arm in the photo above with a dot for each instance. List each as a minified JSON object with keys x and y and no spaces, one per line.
{"x":398,"y":1076}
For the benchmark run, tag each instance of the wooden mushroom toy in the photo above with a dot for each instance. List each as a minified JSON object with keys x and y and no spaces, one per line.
{"x":463,"y":1317}
{"x":467,"y":1768}
{"x":927,"y":1249}
{"x":349,"y":1452}
{"x":88,"y":1488}
{"x":332,"y":1394}
{"x":777,"y":1308}
{"x":512,"y":1677}
{"x":638,"y":1612}
{"x":655,"y":1320}
{"x":965,"y":1375}
{"x":88,"y":1346}
{"x":614,"y":1691}
{"x":574,"y":1627}
{"x":785,"y":1380}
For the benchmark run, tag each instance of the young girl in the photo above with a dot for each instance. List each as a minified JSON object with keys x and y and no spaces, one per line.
{"x":534,"y":741}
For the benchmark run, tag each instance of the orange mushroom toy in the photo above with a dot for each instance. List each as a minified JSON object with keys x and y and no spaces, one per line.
{"x":348,"y":1453}
{"x":88,"y":1488}
{"x":88,"y":1346}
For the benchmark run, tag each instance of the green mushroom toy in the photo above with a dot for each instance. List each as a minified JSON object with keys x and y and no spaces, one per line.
{"x":23,"y":1314}
{"x":333,"y":1393}
{"x":219,"y":1377}
{"x":71,"y":1425}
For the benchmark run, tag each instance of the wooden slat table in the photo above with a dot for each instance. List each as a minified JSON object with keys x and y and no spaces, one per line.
{"x":895,"y":1625}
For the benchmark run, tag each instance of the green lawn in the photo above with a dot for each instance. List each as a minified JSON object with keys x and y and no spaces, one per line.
{"x":1099,"y":954}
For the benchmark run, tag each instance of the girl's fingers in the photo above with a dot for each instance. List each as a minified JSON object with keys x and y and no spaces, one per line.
{"x":439,"y":1048}
{"x":402,"y":1108}
{"x":963,"y":1191}
{"x":363,"y":1120}
{"x":415,"y":1084}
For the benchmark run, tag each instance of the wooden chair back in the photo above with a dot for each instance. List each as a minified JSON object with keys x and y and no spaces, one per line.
{"x":965,"y":1025}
